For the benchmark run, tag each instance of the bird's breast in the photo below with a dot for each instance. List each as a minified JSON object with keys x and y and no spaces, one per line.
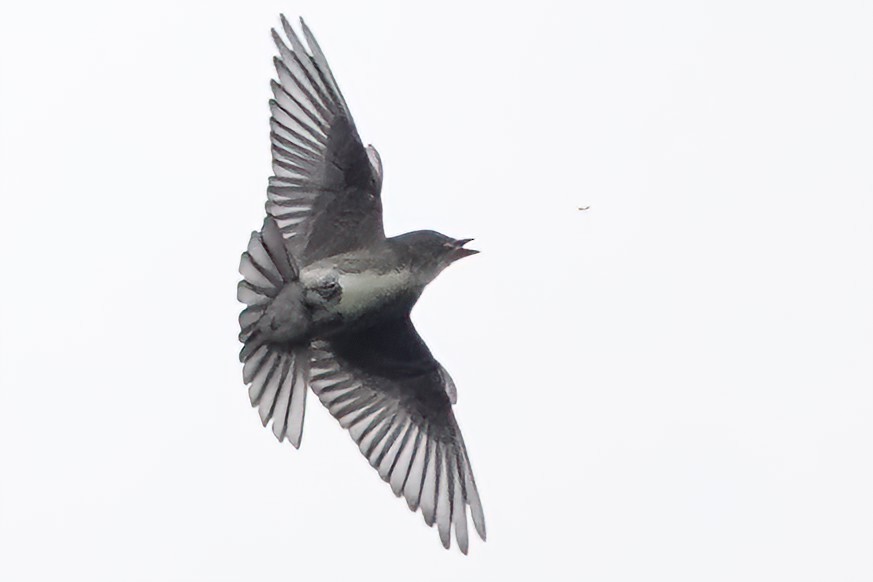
{"x":361,"y":293}
{"x":369,"y":291}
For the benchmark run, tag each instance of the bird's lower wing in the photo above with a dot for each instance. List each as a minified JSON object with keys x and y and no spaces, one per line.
{"x":383,"y":385}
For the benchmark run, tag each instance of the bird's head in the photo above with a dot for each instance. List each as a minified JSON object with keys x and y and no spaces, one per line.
{"x":430,"y":252}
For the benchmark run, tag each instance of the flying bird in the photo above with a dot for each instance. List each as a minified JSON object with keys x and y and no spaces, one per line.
{"x":328,"y":299}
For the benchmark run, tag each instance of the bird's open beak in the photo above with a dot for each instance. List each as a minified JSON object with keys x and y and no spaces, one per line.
{"x":460,"y":252}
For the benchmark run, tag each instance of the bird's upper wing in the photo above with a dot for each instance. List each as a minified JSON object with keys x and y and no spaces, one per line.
{"x":325,"y":188}
{"x":385,"y":387}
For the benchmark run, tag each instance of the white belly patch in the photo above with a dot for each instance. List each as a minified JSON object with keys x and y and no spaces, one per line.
{"x":364,"y":291}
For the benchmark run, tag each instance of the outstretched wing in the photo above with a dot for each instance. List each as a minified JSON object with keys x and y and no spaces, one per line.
{"x":385,"y":387}
{"x":325,"y":188}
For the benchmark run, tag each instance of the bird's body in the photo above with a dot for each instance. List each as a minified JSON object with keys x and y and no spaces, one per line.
{"x":367,"y":293}
{"x":329,"y":300}
{"x":367,"y":281}
{"x":348,"y":291}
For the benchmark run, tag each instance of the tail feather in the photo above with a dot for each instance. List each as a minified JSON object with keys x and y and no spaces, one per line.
{"x":277,"y":375}
{"x":291,"y":402}
{"x":266,"y":266}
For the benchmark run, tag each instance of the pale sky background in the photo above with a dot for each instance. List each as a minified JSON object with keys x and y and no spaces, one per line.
{"x":675,"y":385}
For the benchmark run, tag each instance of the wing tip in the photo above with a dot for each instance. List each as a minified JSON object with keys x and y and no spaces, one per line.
{"x":446,"y":540}
{"x":477,"y":513}
{"x":289,"y":30}
{"x":461,"y":537}
{"x":479,"y":523}
{"x":303,"y":26}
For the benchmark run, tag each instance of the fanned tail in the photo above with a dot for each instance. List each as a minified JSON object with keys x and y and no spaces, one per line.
{"x":278,"y":373}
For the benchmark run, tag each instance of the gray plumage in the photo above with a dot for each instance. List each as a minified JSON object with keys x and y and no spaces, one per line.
{"x":328,"y":299}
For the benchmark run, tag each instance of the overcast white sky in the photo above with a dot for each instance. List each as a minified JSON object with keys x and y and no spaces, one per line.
{"x":676,"y":384}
